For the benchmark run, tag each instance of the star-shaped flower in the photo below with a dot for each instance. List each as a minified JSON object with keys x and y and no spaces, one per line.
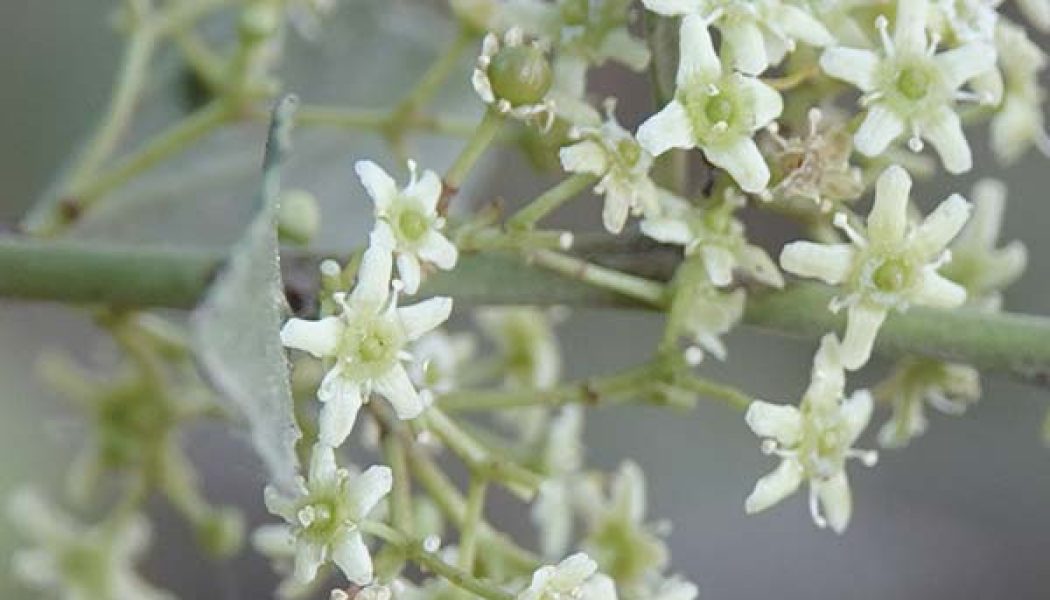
{"x":407,"y":221}
{"x":893,"y":267}
{"x":77,"y":562}
{"x":948,"y":387}
{"x":714,"y":110}
{"x":367,"y":342}
{"x":911,"y":87}
{"x":813,"y":442}
{"x":576,"y":577}
{"x":757,"y":33}
{"x":610,"y":152}
{"x":325,"y":513}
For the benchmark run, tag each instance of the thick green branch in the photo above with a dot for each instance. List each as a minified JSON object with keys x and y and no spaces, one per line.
{"x":144,"y":277}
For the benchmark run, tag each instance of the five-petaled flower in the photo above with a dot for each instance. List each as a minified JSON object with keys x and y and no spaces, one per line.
{"x":813,"y":442}
{"x":714,"y":110}
{"x":576,"y":577}
{"x":407,"y":221}
{"x":893,"y":267}
{"x":367,"y":340}
{"x":325,"y":514}
{"x":908,"y":86}
{"x":611,"y":153}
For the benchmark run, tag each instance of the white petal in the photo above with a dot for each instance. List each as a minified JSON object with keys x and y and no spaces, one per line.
{"x":667,"y":230}
{"x":437,"y":249}
{"x":669,"y":128}
{"x":351,"y":555}
{"x":373,"y":277}
{"x":862,"y":325}
{"x":628,"y":492}
{"x":427,"y":189}
{"x":323,"y":469}
{"x":587,"y":156}
{"x":757,"y":263}
{"x":938,"y":291}
{"x":319,"y":338}
{"x":801,"y":25}
{"x":781,"y":422}
{"x":827,"y":381}
{"x":741,"y":158}
{"x":944,"y":130}
{"x":380,"y":186}
{"x":342,"y":401}
{"x":889,"y":214}
{"x":774,"y":487}
{"x":368,"y":489}
{"x":397,"y":388}
{"x":383,"y":236}
{"x":699,"y":61}
{"x":853,"y":65}
{"x":571,"y":572}
{"x":424,"y":316}
{"x":941,"y":225}
{"x":831,"y":263}
{"x":909,"y":31}
{"x":552,"y":515}
{"x":409,"y":271}
{"x":989,"y":199}
{"x":308,"y":558}
{"x":616,"y":207}
{"x":856,"y":413}
{"x":746,"y":47}
{"x":599,"y":587}
{"x":880,"y":127}
{"x":719,"y":263}
{"x":480,"y":80}
{"x":621,"y":46}
{"x":672,"y":8}
{"x":836,"y":501}
{"x":766,"y":101}
{"x":962,"y":64}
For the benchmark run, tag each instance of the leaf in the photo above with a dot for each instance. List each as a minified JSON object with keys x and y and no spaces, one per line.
{"x":236,"y":330}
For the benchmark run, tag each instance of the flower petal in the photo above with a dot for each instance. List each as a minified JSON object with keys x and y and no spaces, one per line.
{"x":373,"y":277}
{"x":621,"y":46}
{"x":941,"y":225}
{"x":938,"y":291}
{"x":427,"y":190}
{"x":888,"y":219}
{"x":745,"y":45}
{"x":424,"y":316}
{"x":827,"y":381}
{"x":616,"y":207}
{"x":781,"y":422}
{"x":699,"y":61}
{"x":774,"y":487}
{"x":409,"y":271}
{"x":880,"y":127}
{"x":909,"y":31}
{"x":765,"y":101}
{"x":836,"y":501}
{"x":862,"y":325}
{"x":437,"y":249}
{"x":323,"y":469}
{"x":667,"y":230}
{"x":673,"y":8}
{"x":852,"y":65}
{"x":799,"y":24}
{"x":741,"y":158}
{"x":831,"y":263}
{"x":669,"y":128}
{"x":965,"y":62}
{"x":719,"y":263}
{"x":368,"y":489}
{"x":757,"y":263}
{"x":943,"y":129}
{"x":856,"y":413}
{"x":342,"y":400}
{"x":397,"y":388}
{"x":628,"y":492}
{"x":380,"y":186}
{"x":351,"y":555}
{"x":319,"y":338}
{"x":308,"y":558}
{"x":587,"y":156}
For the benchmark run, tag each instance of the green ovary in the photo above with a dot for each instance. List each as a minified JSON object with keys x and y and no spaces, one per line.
{"x":719,"y":109}
{"x":914,"y":82}
{"x":520,"y":74}
{"x":412,"y":225}
{"x":892,"y":275}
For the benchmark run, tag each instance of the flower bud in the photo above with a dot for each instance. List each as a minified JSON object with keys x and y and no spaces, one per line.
{"x":298,"y":217}
{"x":221,"y":532}
{"x":520,"y":74}
{"x":259,"y":21}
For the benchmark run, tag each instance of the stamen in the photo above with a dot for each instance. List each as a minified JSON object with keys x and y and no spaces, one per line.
{"x":694,"y":355}
{"x":565,"y":240}
{"x":431,"y":543}
{"x":841,"y":220}
{"x":882,"y":24}
{"x":946,"y":405}
{"x":814,"y":509}
{"x":412,"y":171}
{"x":915,"y":143}
{"x":330,"y":268}
{"x":868,"y":458}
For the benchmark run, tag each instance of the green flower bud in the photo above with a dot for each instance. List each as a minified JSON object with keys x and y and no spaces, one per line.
{"x":221,"y":532}
{"x":259,"y":21}
{"x":520,"y":74}
{"x":298,"y":218}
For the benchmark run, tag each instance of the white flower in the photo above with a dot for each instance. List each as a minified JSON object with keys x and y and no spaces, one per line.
{"x":977,"y":264}
{"x":1019,"y":123}
{"x":407,"y":221}
{"x":612,"y":154}
{"x":893,"y":267}
{"x":76,"y":562}
{"x":527,"y":344}
{"x":574,"y":578}
{"x":438,"y":358}
{"x":813,"y":442}
{"x":909,"y":87}
{"x":671,"y":588}
{"x":625,"y":546}
{"x":325,"y":513}
{"x":561,"y":459}
{"x":948,"y":387}
{"x":757,"y":33}
{"x":714,"y":235}
{"x":514,"y":77}
{"x":367,"y":341}
{"x":714,"y":110}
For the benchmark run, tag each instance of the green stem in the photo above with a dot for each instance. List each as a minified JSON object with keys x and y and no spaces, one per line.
{"x":549,"y":201}
{"x":640,"y":289}
{"x":401,"y":494}
{"x":477,"y":144}
{"x":468,"y":535}
{"x":713,"y":389}
{"x":435,"y":76}
{"x":371,"y":119}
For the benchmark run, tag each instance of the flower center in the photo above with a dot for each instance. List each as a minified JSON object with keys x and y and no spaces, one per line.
{"x":629,"y":152}
{"x":719,"y":109}
{"x":891,"y":276}
{"x":913,"y":82}
{"x":412,"y":225}
{"x":520,"y":74}
{"x":372,"y":348}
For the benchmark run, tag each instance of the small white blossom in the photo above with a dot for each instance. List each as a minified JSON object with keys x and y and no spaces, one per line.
{"x":961,"y":21}
{"x":948,"y":387}
{"x":611,"y":153}
{"x":757,"y":34}
{"x":324,"y":515}
{"x":513,"y":77}
{"x":714,"y":110}
{"x":713,"y":234}
{"x":438,"y":359}
{"x":1019,"y":124}
{"x":671,"y":588}
{"x":576,"y":577}
{"x":813,"y":442}
{"x":527,"y":344}
{"x":910,"y":87}
{"x":407,"y":221}
{"x":562,"y":458}
{"x":76,"y":562}
{"x":893,"y":267}
{"x":367,"y":340}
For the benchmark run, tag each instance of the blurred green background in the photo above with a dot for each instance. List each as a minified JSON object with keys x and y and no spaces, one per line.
{"x":961,"y":513}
